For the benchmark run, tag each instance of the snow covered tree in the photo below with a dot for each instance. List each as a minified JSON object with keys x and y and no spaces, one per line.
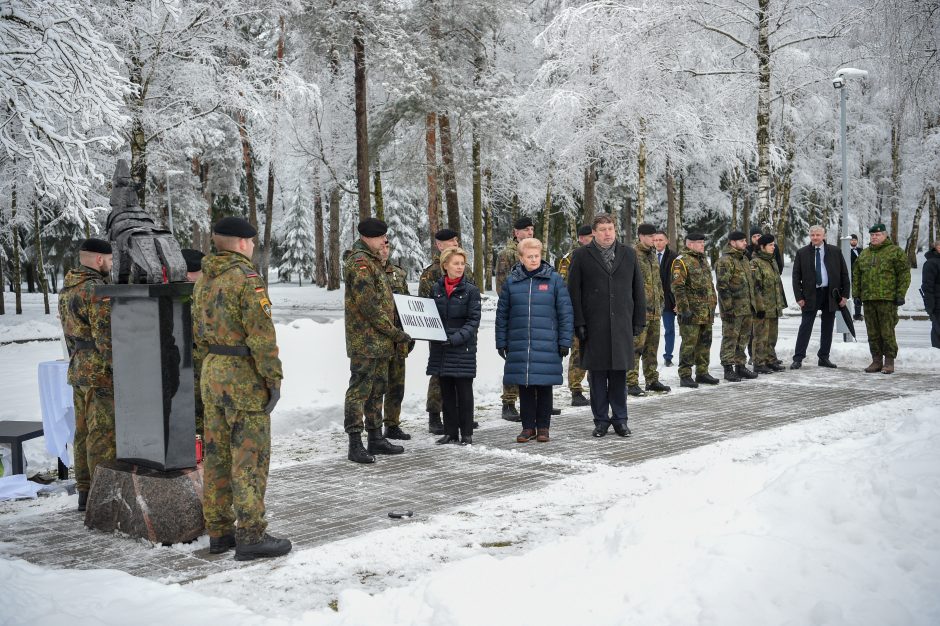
{"x":296,"y":240}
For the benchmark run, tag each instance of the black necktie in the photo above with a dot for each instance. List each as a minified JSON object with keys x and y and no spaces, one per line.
{"x":660,"y":255}
{"x":818,"y":270}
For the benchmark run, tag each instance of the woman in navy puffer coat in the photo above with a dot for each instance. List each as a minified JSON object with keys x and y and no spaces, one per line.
{"x":534,"y":324}
{"x":455,"y":360}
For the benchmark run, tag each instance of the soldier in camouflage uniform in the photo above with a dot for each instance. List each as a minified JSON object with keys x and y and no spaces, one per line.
{"x":769,"y":303}
{"x":647,"y":344}
{"x":241,"y":381}
{"x":695,"y":306}
{"x":372,"y":339}
{"x":736,"y":303}
{"x":880,"y":278}
{"x":523,"y":228}
{"x":575,"y":373}
{"x":395,"y":393}
{"x":443,"y":239}
{"x":86,"y":323}
{"x":193,"y":272}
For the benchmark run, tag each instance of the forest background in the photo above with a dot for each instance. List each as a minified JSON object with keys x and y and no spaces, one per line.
{"x":305,"y":116}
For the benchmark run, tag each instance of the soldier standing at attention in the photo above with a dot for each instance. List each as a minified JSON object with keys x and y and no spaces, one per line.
{"x":575,"y":373}
{"x":880,"y":278}
{"x":86,"y":323}
{"x":769,"y":303}
{"x":647,"y":344}
{"x":443,"y":239}
{"x":398,"y":283}
{"x":372,"y":338}
{"x":241,"y":382}
{"x":695,"y":306}
{"x":193,"y":272}
{"x":507,"y":259}
{"x":736,"y":303}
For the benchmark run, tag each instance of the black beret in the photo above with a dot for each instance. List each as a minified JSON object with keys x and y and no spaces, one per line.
{"x":737,"y":235}
{"x":853,"y":236}
{"x":445,"y":234}
{"x":695,"y":236}
{"x":234,"y":227}
{"x":877,"y":228}
{"x":585,"y":230}
{"x":98,"y":246}
{"x":755,"y":230}
{"x":193,"y":259}
{"x":646,"y":229}
{"x":372,"y":227}
{"x":765,"y":239}
{"x":523,"y":222}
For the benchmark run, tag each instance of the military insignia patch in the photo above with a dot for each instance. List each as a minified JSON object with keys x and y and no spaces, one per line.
{"x":266,"y":306}
{"x":259,"y":289}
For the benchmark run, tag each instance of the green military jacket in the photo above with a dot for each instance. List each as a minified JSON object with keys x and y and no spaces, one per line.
{"x":231,"y":308}
{"x":692,"y":287}
{"x":734,"y":282}
{"x":433,"y":272}
{"x":768,"y":287}
{"x":371,"y":330}
{"x":398,"y":283}
{"x":86,"y":317}
{"x":507,"y":259}
{"x":649,"y":265}
{"x":881,"y":273}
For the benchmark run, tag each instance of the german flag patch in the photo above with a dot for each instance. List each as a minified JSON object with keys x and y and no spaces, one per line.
{"x":252,"y":275}
{"x":259,"y":289}
{"x":266,"y":306}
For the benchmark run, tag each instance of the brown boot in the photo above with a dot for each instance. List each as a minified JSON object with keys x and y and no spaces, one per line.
{"x":889,"y":365}
{"x":542,"y":436}
{"x":876,"y":364}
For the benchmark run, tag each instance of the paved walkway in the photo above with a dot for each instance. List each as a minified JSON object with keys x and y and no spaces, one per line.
{"x":317,"y":502}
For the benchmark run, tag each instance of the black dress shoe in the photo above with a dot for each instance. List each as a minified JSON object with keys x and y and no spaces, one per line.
{"x":706,"y":378}
{"x":476,"y":425}
{"x":448,"y":439}
{"x":218,"y":545}
{"x":686,"y":381}
{"x":659,"y":387}
{"x":827,"y":363}
{"x":634,"y":390}
{"x":601,"y":430}
{"x":796,"y":365}
{"x":466,"y":440}
{"x":556,"y":411}
{"x":622,"y":430}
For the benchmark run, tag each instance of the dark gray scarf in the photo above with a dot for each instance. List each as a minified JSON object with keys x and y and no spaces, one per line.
{"x":607,"y":253}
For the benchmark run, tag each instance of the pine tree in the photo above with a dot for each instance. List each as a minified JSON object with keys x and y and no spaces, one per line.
{"x":297,"y":239}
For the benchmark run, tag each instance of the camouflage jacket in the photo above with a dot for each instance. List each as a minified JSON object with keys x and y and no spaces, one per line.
{"x":86,"y":317}
{"x":507,"y":259}
{"x":652,"y":279}
{"x":231,"y":308}
{"x":735,"y":283}
{"x":432,"y":273}
{"x":692,"y":287}
{"x":881,"y":273}
{"x":398,"y":283}
{"x":768,"y":288}
{"x":371,"y":330}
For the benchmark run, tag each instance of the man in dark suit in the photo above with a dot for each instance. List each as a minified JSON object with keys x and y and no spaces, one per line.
{"x":820,"y":278}
{"x":609,"y":301}
{"x":665,"y":256}
{"x":856,"y":250}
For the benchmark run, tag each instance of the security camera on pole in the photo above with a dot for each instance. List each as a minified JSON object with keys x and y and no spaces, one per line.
{"x":839,"y":82}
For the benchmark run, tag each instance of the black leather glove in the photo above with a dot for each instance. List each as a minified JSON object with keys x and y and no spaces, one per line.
{"x":274,"y":394}
{"x":899,"y":301}
{"x":502,"y":353}
{"x":562,"y":351}
{"x":761,"y":315}
{"x":581,"y":333}
{"x":411,"y":346}
{"x":638,"y":330}
{"x":685,"y":318}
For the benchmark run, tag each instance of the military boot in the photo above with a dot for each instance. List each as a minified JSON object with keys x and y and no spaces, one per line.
{"x":223,"y":543}
{"x":357,"y":453}
{"x":395,"y":432}
{"x":82,"y":500}
{"x":877,"y":363}
{"x":889,"y":365}
{"x":510,"y":414}
{"x":743,"y":372}
{"x":730,"y":375}
{"x":435,"y":426}
{"x":266,"y":547}
{"x":706,"y":378}
{"x":578,"y":399}
{"x":380,"y":445}
{"x":763,"y":369}
{"x":635,"y":391}
{"x":686,"y":381}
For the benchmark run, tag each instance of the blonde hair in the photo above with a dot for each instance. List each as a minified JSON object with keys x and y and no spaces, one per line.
{"x":449,"y":252}
{"x":530,"y":242}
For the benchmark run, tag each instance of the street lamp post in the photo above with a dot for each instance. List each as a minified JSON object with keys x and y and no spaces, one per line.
{"x":839,"y":83}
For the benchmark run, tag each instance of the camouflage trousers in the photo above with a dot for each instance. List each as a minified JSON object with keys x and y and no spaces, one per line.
{"x":881,"y":316}
{"x":765,"y":341}
{"x":647,"y":345}
{"x":575,"y":373}
{"x":368,"y":381}
{"x":235,"y":471}
{"x":395,"y":392}
{"x":434,"y":403}
{"x":94,"y":432}
{"x":696,"y":348}
{"x":735,"y":335}
{"x":510,"y":394}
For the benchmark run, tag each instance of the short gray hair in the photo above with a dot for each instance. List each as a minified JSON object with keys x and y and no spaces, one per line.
{"x":817,"y":227}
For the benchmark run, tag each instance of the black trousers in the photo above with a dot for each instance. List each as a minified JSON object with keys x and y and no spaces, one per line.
{"x":825,"y":329}
{"x":608,"y":391}
{"x":457,"y":402}
{"x":935,"y":330}
{"x":535,"y":406}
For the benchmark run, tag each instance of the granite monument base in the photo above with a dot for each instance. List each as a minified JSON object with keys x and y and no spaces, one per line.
{"x":162,"y":507}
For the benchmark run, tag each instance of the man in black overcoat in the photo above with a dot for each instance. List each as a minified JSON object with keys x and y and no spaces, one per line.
{"x":609,"y":301}
{"x":819,"y":273}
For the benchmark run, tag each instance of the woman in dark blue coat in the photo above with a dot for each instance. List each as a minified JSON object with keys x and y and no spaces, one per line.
{"x":534,"y":324}
{"x":455,"y":360}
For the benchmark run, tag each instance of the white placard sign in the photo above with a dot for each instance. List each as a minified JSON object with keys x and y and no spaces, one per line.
{"x":419,"y":318}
